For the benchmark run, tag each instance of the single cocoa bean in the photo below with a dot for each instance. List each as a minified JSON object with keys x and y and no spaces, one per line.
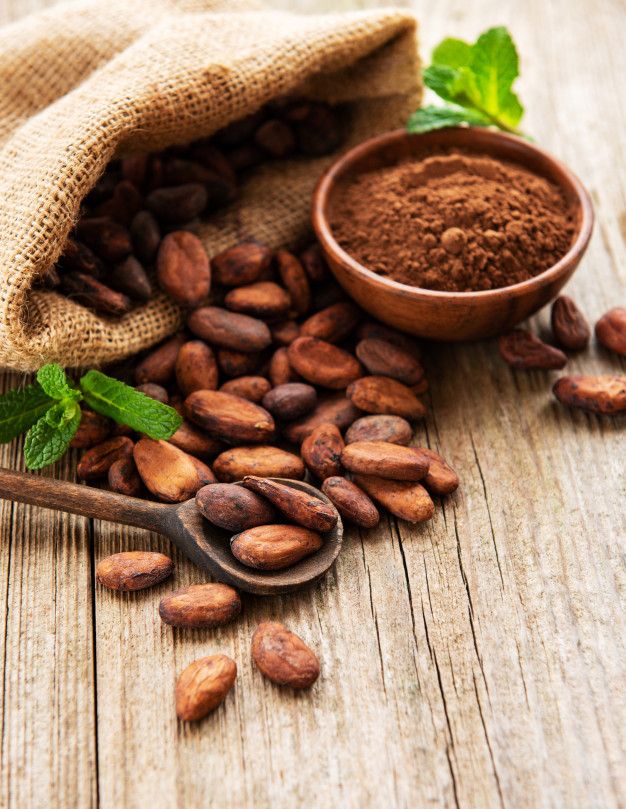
{"x":204,"y":472}
{"x":241,"y":264}
{"x":374,"y":330}
{"x":93,"y":429}
{"x":383,"y":395}
{"x":130,"y":278}
{"x":233,"y":507}
{"x":280,"y":371}
{"x":569,"y":325}
{"x":96,"y":462}
{"x":394,"y":429}
{"x":441,"y":479}
{"x":404,"y":499}
{"x":109,"y":239}
{"x":384,"y":359}
{"x":158,"y":366}
{"x":168,"y":472}
{"x":179,"y":203}
{"x":521,"y":349}
{"x":274,"y":547}
{"x":123,"y":477}
{"x":203,"y":686}
{"x":300,"y":507}
{"x":209,"y":156}
{"x":196,"y":368}
{"x":314,"y":263}
{"x":145,"y":235}
{"x":263,"y":299}
{"x":263,"y":461}
{"x":290,"y":400}
{"x":317,"y":128}
{"x":238,"y":363}
{"x":229,"y":417}
{"x":133,"y":570}
{"x":77,"y":257}
{"x":295,"y":281}
{"x":385,"y":460}
{"x":95,"y":295}
{"x":611,"y":330}
{"x":135,"y":168}
{"x":245,"y":157}
{"x":276,"y":138}
{"x":332,"y":324}
{"x":283,"y":657}
{"x":195,"y":442}
{"x":252,"y":388}
{"x":323,"y":363}
{"x":599,"y":394}
{"x":321,"y":451}
{"x":335,"y":409}
{"x":200,"y":606}
{"x":229,"y":329}
{"x":285,"y":332}
{"x":183,"y":268}
{"x":154,"y":391}
{"x":351,"y":502}
{"x":123,"y":204}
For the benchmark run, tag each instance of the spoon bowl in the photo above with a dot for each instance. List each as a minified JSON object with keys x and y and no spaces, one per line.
{"x":204,"y":544}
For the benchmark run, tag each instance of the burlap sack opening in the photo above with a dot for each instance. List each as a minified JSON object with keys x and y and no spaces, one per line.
{"x":86,"y":81}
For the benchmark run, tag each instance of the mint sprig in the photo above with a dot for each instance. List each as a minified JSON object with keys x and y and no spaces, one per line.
{"x":477,"y":80}
{"x":50,"y":411}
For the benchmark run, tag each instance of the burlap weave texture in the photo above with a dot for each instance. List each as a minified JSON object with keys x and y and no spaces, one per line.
{"x":87,"y":81}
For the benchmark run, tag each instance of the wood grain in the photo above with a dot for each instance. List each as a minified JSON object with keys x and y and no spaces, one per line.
{"x":477,"y":661}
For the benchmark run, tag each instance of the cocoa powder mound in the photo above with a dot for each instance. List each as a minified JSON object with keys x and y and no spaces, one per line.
{"x":453,"y":221}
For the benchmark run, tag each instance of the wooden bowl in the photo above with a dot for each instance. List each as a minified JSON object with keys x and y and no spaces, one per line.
{"x":449,"y":315}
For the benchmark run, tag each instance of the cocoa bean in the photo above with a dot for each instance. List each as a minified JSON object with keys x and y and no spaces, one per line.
{"x":168,"y":472}
{"x":203,"y":686}
{"x":229,"y":329}
{"x":229,"y":417}
{"x":96,"y":462}
{"x":333,"y":324}
{"x":154,"y":391}
{"x":295,"y":281}
{"x":569,"y":325}
{"x":241,"y":130}
{"x":384,"y":359}
{"x":611,"y":330}
{"x":317,"y":129}
{"x":374,"y":330}
{"x":209,"y":156}
{"x":93,"y":429}
{"x":135,"y":168}
{"x":158,"y":366}
{"x":195,"y":442}
{"x":521,"y":349}
{"x":404,"y":499}
{"x":196,"y":368}
{"x":280,"y":371}
{"x":323,"y":363}
{"x":394,"y":429}
{"x":290,"y":400}
{"x":123,"y":204}
{"x":441,"y":479}
{"x":183,"y":268}
{"x":238,"y":363}
{"x":77,"y":257}
{"x":109,"y":239}
{"x":335,"y":409}
{"x":203,"y":471}
{"x":200,"y":606}
{"x":123,"y":477}
{"x":274,"y":547}
{"x":133,"y":570}
{"x":276,"y":138}
{"x":383,"y":395}
{"x":351,"y":502}
{"x":245,"y":157}
{"x":145,"y":235}
{"x":385,"y":460}
{"x":598,"y":394}
{"x":283,"y":657}
{"x":252,"y":388}
{"x":95,"y":295}
{"x":241,"y":264}
{"x":263,"y":299}
{"x":179,"y":203}
{"x":233,"y":507}
{"x":321,"y":451}
{"x":130,"y":278}
{"x":285,"y":332}
{"x":262,"y":461}
{"x":314,"y":263}
{"x":299,"y":507}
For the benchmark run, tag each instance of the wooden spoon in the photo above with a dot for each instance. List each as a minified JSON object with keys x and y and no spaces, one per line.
{"x":206,"y":546}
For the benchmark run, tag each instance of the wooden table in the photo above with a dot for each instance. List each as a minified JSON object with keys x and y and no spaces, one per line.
{"x":475,"y":661}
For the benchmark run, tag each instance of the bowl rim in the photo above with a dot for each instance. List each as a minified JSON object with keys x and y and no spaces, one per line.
{"x":485,"y":136}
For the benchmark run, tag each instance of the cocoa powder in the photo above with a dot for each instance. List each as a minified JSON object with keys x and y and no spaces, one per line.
{"x":453,"y":221}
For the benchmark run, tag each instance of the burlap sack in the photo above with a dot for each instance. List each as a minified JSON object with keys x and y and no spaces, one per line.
{"x":86,"y":81}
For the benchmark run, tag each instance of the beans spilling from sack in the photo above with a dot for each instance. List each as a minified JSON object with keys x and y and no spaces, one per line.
{"x":125,"y":231}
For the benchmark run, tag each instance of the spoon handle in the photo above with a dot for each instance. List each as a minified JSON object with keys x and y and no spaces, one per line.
{"x":84,"y":500}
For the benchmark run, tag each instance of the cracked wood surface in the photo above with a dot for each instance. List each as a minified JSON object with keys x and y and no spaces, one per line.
{"x":475,"y":661}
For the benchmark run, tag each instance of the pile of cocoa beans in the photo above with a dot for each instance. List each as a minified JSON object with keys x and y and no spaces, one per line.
{"x":109,"y":262}
{"x":605,"y":393}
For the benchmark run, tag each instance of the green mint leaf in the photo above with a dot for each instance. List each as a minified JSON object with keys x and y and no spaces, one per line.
{"x":125,"y":405}
{"x":429,"y":118}
{"x":452,"y":53}
{"x":54,"y":382}
{"x":20,"y":409}
{"x":50,"y":437}
{"x":495,"y":65}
